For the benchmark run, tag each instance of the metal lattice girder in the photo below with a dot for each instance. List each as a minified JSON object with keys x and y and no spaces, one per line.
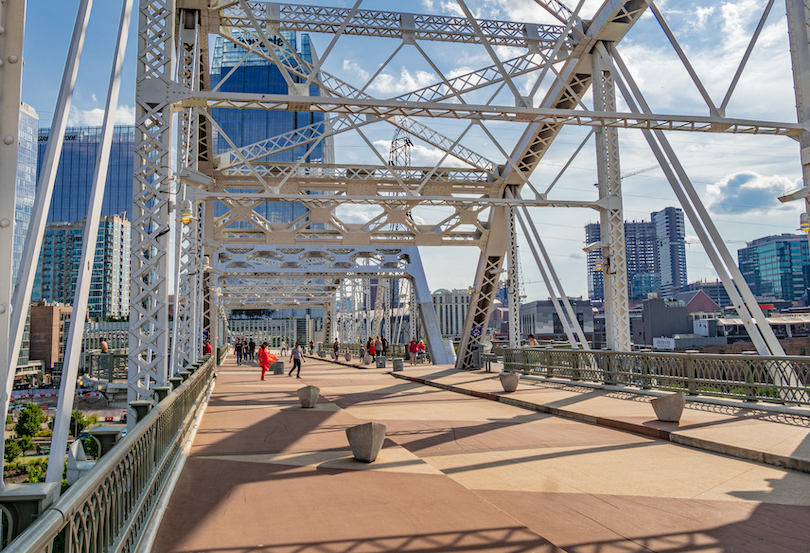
{"x":386,"y":109}
{"x":611,"y":22}
{"x":149,"y":313}
{"x":371,"y":23}
{"x":486,"y":286}
{"x":614,"y":258}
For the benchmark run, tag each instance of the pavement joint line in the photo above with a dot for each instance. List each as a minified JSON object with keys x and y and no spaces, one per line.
{"x":781,"y":461}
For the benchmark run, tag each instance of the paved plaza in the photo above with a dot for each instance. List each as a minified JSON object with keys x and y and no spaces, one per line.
{"x":463,"y":473}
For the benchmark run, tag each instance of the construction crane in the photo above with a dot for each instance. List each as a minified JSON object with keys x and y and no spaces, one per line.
{"x":634,"y":173}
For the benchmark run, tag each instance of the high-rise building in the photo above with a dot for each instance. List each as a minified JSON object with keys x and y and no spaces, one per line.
{"x":58,"y":267}
{"x":776,"y":267}
{"x":257,"y":75}
{"x":26,"y":185}
{"x":74,"y":175}
{"x":642,"y":261}
{"x":50,"y":325}
{"x":451,"y":310}
{"x":671,"y":233}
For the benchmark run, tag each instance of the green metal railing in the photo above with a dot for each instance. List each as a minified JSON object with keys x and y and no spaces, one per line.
{"x":110,"y":507}
{"x":747,"y":377}
{"x":110,"y":366}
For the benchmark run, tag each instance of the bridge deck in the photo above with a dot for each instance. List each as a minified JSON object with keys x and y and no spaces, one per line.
{"x":457,"y":473}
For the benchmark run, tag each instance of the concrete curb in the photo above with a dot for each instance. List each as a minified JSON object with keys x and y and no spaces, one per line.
{"x":748,"y":454}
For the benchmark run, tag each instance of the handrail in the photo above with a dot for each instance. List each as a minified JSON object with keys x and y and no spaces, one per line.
{"x":748,"y":377}
{"x":109,"y":508}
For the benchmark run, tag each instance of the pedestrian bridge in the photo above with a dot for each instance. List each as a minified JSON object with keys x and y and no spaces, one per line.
{"x":235,"y":464}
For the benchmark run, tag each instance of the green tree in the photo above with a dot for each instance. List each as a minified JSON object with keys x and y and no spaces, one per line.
{"x":29,"y":421}
{"x":26,"y":444}
{"x":12,"y":450}
{"x":77,"y":422}
{"x":90,"y":447}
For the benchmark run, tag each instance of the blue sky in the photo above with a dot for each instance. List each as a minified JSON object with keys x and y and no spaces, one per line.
{"x":738,"y":177}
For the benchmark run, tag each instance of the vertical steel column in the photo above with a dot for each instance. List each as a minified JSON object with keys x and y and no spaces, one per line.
{"x":513,"y":284}
{"x":149,"y":313}
{"x":424,"y":302}
{"x":12,"y":19}
{"x":412,"y":309}
{"x":798,"y":15}
{"x":614,"y":260}
{"x":486,"y":286}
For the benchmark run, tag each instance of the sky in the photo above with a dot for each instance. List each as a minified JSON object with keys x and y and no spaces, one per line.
{"x":738,"y":177}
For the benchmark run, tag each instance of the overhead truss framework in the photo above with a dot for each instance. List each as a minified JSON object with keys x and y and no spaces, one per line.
{"x":300,"y":261}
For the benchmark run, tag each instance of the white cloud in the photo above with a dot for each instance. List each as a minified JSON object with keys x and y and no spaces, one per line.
{"x":353,"y":67}
{"x":391,"y":85}
{"x":428,"y":4}
{"x":748,"y":193}
{"x":94,"y":117}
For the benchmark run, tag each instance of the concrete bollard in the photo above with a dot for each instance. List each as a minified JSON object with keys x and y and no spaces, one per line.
{"x":348,"y":357}
{"x":380,"y":362}
{"x":398,"y":363}
{"x":366,"y":441}
{"x":669,"y":408}
{"x":308,"y":396}
{"x":367,"y":360}
{"x":509,"y":381}
{"x":278,"y":367}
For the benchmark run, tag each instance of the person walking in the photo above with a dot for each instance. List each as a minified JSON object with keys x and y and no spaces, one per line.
{"x":336,"y":348}
{"x":207,"y":348}
{"x":533,"y":340}
{"x":384,"y":346}
{"x":237,"y":347}
{"x":412,"y":350}
{"x":252,"y":349}
{"x":372,"y":351}
{"x":296,"y":358}
{"x":378,"y":346}
{"x":283,"y":347}
{"x":312,"y":347}
{"x":103,"y":345}
{"x":264,"y":358}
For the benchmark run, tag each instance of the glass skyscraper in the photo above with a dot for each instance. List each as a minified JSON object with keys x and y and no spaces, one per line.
{"x":58,"y":267}
{"x":776,"y":267}
{"x":24,"y":194}
{"x":26,"y":186}
{"x":74,"y":175}
{"x":243,"y":127}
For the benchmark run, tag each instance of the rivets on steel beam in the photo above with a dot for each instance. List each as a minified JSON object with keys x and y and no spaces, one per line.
{"x":8,"y":141}
{"x":5,"y":223}
{"x":2,"y":30}
{"x":13,"y":59}
{"x":2,"y":308}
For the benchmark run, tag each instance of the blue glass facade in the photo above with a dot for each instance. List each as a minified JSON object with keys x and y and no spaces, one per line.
{"x":776,"y":267}
{"x":26,"y":185}
{"x":74,"y":175}
{"x":243,"y":127}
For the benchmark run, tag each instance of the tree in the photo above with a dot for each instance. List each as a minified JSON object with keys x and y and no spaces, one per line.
{"x":29,"y":421}
{"x":12,"y":450}
{"x":26,"y":444}
{"x":77,"y":422}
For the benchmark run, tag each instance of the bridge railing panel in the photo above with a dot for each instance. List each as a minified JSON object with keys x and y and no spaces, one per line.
{"x":110,"y":507}
{"x":748,"y":377}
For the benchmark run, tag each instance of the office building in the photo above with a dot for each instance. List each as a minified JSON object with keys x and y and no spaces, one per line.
{"x":451,"y":309}
{"x":26,"y":184}
{"x":74,"y":175}
{"x":776,"y":267}
{"x":57,"y":271}
{"x":671,"y":234}
{"x":50,"y":324}
{"x":655,"y":252}
{"x":640,"y":241}
{"x":243,"y":127}
{"x":541,"y":319}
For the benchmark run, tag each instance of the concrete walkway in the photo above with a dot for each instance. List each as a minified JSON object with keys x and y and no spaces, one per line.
{"x":461,"y":473}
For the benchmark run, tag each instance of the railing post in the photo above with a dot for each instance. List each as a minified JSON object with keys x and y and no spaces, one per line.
{"x":646,"y":381}
{"x":690,"y":374}
{"x":609,"y":369}
{"x":576,"y":374}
